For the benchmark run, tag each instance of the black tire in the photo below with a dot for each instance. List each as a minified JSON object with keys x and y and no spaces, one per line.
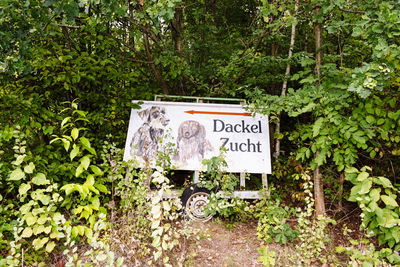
{"x":190,"y":191}
{"x":194,"y":198}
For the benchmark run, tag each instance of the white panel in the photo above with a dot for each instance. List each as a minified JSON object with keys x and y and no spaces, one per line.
{"x":198,"y":130}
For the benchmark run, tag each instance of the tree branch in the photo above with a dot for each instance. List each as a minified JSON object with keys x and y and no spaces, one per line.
{"x":351,"y":11}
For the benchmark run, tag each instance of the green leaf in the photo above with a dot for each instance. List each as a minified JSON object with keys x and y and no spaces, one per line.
{"x":85,"y":162}
{"x":79,"y":170}
{"x":29,"y":168}
{"x":362,"y":176}
{"x":374,"y":194}
{"x":57,"y":217}
{"x":74,"y":152}
{"x":156,"y":211}
{"x":96,"y":170}
{"x":380,"y":121}
{"x":383,"y":181}
{"x":389,"y":201}
{"x":23,"y":188}
{"x":90,"y":180}
{"x":101,"y":188}
{"x":66,"y":144}
{"x":64,"y":121}
{"x":40,"y":179}
{"x":39,"y":243}
{"x":27,"y":232}
{"x":365,"y":186}
{"x":317,"y":126}
{"x":19,"y":160}
{"x":30,"y":219}
{"x":17,"y":175}
{"x":68,"y":188}
{"x":75,"y":133}
{"x":50,"y":246}
{"x":45,"y":199}
{"x":357,"y":31}
{"x":86,"y":144}
{"x":370,"y":119}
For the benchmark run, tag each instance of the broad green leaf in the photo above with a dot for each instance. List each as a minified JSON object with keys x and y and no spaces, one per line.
{"x":389,"y":201}
{"x":370,"y":119}
{"x":79,"y":170}
{"x":85,"y":162}
{"x":47,"y":229}
{"x":351,"y":170}
{"x":68,"y":188}
{"x":75,"y":133}
{"x":365,"y":187}
{"x":27,"y":232}
{"x":86,"y":144}
{"x":54,"y":234}
{"x":372,"y":154}
{"x":96,"y":170}
{"x":81,"y":230}
{"x":40,"y":179}
{"x":19,"y":160}
{"x":375,"y":194}
{"x":30,"y":219}
{"x":39,"y":243}
{"x":317,"y":126}
{"x":383,"y":181}
{"x":50,"y":246}
{"x":75,"y":231}
{"x":17,"y":175}
{"x":29,"y":168}
{"x":362,"y":176}
{"x":42,"y":220}
{"x":90,"y":180}
{"x":45,"y":199}
{"x":101,"y":188}
{"x":23,"y":188}
{"x":156,"y":211}
{"x":74,"y":152}
{"x":66,"y":144}
{"x":96,"y":203}
{"x":64,"y":121}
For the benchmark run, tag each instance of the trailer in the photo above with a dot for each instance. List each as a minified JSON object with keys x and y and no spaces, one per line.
{"x":199,"y":127}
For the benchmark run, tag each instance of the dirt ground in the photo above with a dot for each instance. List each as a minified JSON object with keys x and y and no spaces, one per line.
{"x":217,"y":245}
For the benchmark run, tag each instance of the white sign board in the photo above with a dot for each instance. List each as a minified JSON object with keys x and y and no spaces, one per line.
{"x":198,"y":131}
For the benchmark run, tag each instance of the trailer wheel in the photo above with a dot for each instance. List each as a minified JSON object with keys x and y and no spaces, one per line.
{"x":194,"y":207}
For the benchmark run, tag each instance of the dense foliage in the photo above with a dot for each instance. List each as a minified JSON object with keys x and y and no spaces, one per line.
{"x":326,"y":72}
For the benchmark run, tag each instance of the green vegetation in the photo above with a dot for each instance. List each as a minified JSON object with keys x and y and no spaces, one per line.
{"x":326,"y":72}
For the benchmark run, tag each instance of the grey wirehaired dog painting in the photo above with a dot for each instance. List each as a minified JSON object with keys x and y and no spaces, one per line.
{"x":191,"y":141}
{"x":145,"y":141}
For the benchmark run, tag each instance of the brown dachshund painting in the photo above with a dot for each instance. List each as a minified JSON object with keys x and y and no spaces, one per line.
{"x":191,"y":141}
{"x":146,"y":139}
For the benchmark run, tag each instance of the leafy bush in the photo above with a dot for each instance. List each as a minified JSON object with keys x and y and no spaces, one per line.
{"x":221,"y":185}
{"x":272,"y":221}
{"x":376,"y":197}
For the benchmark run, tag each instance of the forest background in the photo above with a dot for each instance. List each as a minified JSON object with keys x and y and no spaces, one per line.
{"x":326,"y":73}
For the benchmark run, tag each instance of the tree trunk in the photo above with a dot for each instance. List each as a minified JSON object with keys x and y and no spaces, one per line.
{"x":318,"y":191}
{"x":340,"y":193}
{"x":156,"y":72}
{"x":284,"y":85}
{"x":318,"y":186}
{"x":177,"y":30}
